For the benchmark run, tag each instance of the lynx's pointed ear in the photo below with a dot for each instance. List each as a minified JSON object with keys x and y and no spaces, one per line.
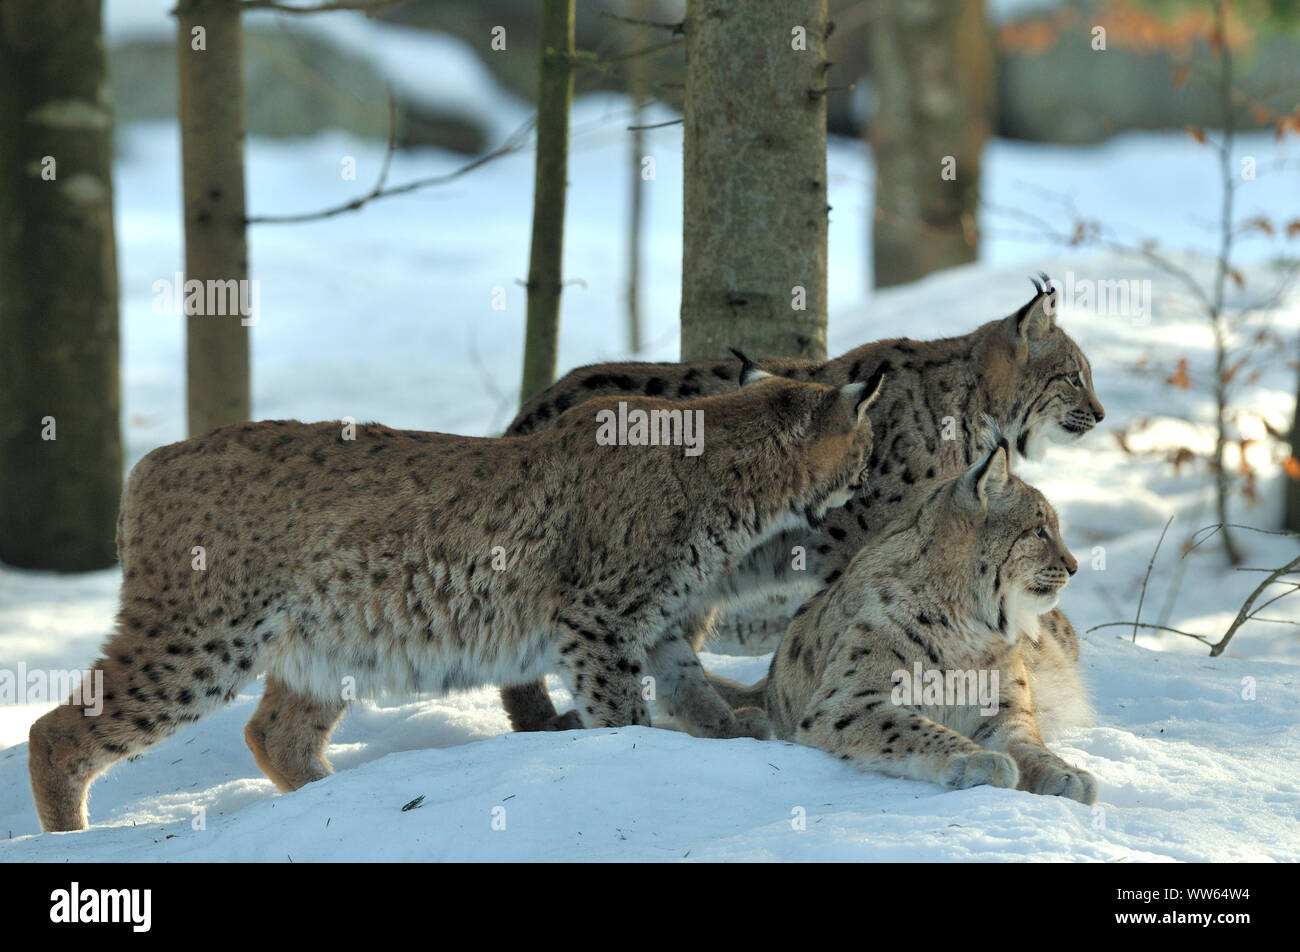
{"x":989,"y":476}
{"x":749,"y":371}
{"x":864,"y":394}
{"x":1037,"y":318}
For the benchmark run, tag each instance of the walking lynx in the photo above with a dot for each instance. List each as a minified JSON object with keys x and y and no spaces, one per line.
{"x":412,"y":561}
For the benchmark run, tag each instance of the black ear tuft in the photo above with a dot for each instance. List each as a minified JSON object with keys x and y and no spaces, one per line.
{"x":874,"y":383}
{"x":749,"y":371}
{"x":1038,"y":285}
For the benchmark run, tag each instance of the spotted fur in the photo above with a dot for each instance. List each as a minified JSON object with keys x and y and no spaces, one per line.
{"x":1022,"y":372}
{"x":410,"y":561}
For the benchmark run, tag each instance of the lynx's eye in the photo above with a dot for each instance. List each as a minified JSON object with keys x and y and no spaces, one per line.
{"x":1042,"y":532}
{"x":1075,"y":380}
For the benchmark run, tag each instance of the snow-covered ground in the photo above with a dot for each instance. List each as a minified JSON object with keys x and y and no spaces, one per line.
{"x":387,"y":314}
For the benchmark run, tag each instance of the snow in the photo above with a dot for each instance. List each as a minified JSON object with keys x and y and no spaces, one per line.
{"x":1189,"y":772}
{"x":387,"y":314}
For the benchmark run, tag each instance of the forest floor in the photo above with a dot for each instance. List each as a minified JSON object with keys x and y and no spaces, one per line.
{"x":388,"y":315}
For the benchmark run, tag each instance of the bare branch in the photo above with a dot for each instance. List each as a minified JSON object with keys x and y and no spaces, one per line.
{"x":677,"y":29}
{"x":657,"y":125}
{"x":1125,"y":624}
{"x":607,"y":63}
{"x":1236,"y":525}
{"x":1143,"y":597}
{"x":360,"y":6}
{"x":514,"y":143}
{"x":1244,"y":614}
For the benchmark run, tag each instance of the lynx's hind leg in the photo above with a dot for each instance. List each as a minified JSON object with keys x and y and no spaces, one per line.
{"x":154,"y":680}
{"x":289,"y":732}
{"x":530,"y":708}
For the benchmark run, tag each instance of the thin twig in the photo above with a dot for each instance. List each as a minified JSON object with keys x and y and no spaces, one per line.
{"x":513,"y":144}
{"x":607,"y":63}
{"x":1125,"y":624}
{"x":657,"y":125}
{"x":1244,"y":614}
{"x":1236,"y":525}
{"x":1295,"y":586}
{"x":677,"y":29}
{"x":360,"y":6}
{"x":1150,"y":565}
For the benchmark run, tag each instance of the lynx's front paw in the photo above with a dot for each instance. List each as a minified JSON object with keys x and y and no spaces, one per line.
{"x":986,"y":767}
{"x":1067,"y":782}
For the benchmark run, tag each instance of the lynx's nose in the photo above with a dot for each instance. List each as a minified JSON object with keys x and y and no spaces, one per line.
{"x":1071,"y":564}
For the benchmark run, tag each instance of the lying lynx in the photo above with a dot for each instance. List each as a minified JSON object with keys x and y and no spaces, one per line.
{"x":414,"y":561}
{"x":956,"y":583}
{"x":1022,"y":372}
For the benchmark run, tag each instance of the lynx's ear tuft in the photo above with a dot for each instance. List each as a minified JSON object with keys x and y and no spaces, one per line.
{"x":992,"y":437}
{"x":864,"y":394}
{"x":989,"y":476}
{"x":749,"y":371}
{"x":1037,"y":318}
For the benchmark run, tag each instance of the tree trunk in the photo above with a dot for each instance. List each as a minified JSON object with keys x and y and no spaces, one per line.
{"x":754,"y":222}
{"x":546,"y":256}
{"x":1293,"y":481}
{"x":60,"y":442}
{"x":216,"y":246}
{"x":636,"y":82}
{"x":932,"y":73}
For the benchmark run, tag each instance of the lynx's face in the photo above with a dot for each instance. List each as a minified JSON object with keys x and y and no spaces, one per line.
{"x":1054,"y":400}
{"x":1019,"y":543}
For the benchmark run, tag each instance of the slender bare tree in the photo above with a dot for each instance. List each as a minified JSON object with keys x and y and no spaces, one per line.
{"x":1293,"y":472}
{"x":209,"y":52}
{"x":636,"y":82}
{"x":546,"y":255}
{"x":60,"y":442}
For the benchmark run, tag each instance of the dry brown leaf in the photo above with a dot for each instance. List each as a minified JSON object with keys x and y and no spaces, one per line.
{"x":1179,"y":377}
{"x":1248,"y":489}
{"x":1243,"y":464}
{"x":1180,"y":456}
{"x":1230,"y":372}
